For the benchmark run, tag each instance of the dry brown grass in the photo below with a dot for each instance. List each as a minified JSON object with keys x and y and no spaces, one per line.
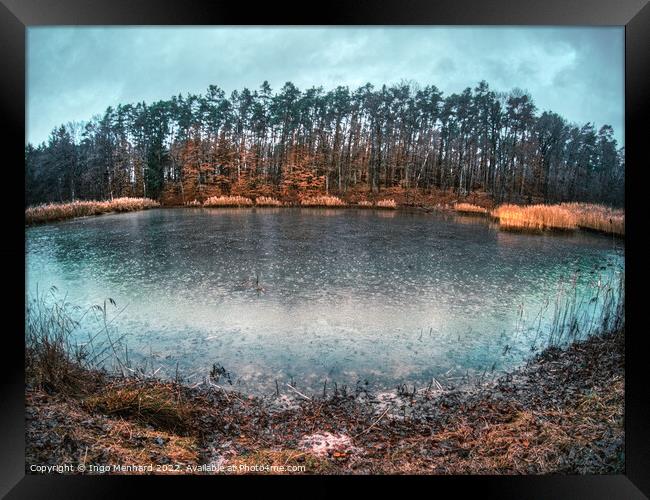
{"x":322,"y":201}
{"x":158,"y":405}
{"x":53,"y":361}
{"x":120,"y":440}
{"x":48,"y":366}
{"x":529,"y":443}
{"x":535,"y":217}
{"x":562,"y":414}
{"x":538,"y":441}
{"x":598,"y":217}
{"x":61,"y":211}
{"x":285,"y":458}
{"x":364,"y":204}
{"x":193,"y":203}
{"x":267,"y":201}
{"x":469,"y":208}
{"x":62,"y":430}
{"x":228,"y":201}
{"x":388,"y":204}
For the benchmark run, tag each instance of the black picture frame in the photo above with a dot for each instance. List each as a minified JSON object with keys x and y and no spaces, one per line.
{"x":17,"y":15}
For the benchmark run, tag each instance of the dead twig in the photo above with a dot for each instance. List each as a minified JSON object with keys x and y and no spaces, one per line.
{"x":373,"y":424}
{"x":298,"y":392}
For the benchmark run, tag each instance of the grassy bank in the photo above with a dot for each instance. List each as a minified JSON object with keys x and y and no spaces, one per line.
{"x":561,"y":413}
{"x":60,"y":211}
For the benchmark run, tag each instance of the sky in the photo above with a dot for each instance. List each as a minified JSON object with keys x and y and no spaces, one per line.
{"x":74,"y":73}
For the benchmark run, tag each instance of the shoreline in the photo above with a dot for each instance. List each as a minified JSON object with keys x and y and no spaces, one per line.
{"x":441,"y":207}
{"x":405,"y":208}
{"x":54,"y":212}
{"x":560,"y":413}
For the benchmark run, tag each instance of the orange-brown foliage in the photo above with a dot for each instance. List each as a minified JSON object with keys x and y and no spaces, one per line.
{"x":300,"y":182}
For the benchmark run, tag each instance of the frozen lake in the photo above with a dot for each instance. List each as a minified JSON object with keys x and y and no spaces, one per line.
{"x":345,"y":295}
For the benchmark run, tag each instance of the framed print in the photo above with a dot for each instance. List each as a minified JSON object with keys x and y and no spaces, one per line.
{"x":384,"y":245}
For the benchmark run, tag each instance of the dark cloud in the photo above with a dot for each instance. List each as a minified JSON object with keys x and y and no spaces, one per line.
{"x":74,"y":73}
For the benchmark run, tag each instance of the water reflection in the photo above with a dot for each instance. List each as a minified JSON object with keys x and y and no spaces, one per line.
{"x":474,"y":220}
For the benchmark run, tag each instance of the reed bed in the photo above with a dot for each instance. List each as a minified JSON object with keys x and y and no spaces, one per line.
{"x":564,"y":216}
{"x":598,"y":217}
{"x":469,"y":208}
{"x":228,"y":201}
{"x":387,"y":204}
{"x":535,"y":217}
{"x":267,"y":201}
{"x":322,"y":201}
{"x":364,"y":204}
{"x":60,"y":211}
{"x":193,"y":203}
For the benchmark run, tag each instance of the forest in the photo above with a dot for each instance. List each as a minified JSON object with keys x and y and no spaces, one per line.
{"x":289,"y":142}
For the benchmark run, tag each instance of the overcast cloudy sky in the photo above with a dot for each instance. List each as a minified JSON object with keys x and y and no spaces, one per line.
{"x":74,"y":73}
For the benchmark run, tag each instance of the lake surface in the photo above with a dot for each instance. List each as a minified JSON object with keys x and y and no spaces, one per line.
{"x":306,"y":295}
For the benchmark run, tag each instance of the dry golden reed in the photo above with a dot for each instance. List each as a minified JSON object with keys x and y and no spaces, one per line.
{"x":598,"y":217}
{"x":228,"y":201}
{"x":469,"y":208}
{"x":267,"y":201}
{"x":364,"y":204}
{"x":322,"y":201}
{"x":154,"y":404}
{"x":389,"y":204}
{"x":60,"y":211}
{"x":564,"y":216}
{"x":535,"y":217}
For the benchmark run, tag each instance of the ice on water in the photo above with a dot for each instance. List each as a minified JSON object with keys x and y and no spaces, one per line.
{"x":289,"y":295}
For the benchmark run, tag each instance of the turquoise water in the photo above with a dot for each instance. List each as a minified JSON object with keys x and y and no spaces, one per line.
{"x":313,"y":294}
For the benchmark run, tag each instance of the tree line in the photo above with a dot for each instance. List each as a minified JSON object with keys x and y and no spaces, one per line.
{"x":399,"y":136}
